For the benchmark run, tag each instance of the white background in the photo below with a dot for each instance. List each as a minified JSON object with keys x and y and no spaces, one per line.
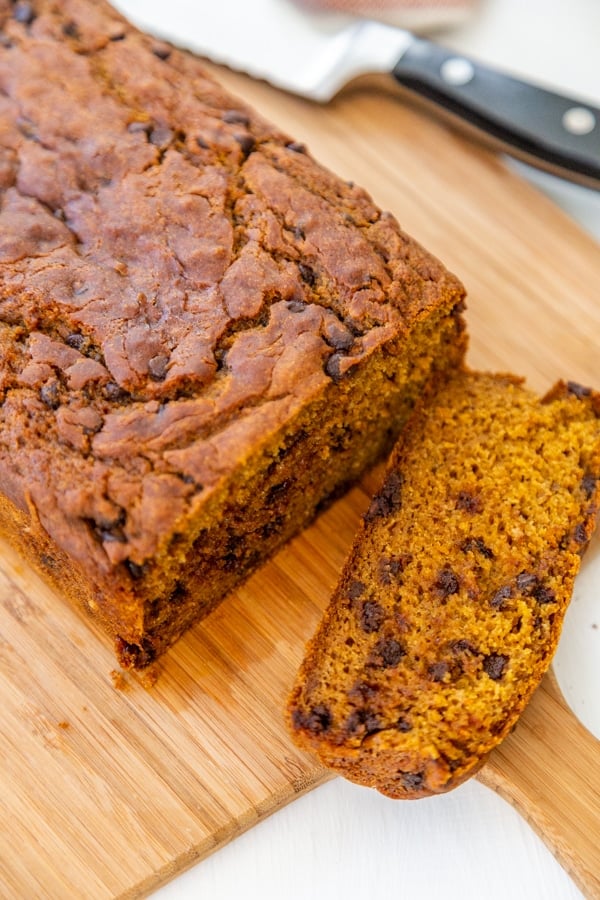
{"x":342,"y":841}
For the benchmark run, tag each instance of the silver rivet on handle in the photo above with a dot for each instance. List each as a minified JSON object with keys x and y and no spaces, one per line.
{"x":579,"y":120}
{"x":457,"y":71}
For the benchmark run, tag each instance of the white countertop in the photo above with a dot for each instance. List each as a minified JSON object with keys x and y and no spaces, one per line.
{"x":344,"y":841}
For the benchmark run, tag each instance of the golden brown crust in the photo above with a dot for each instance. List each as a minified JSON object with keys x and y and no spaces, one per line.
{"x":451,"y":603}
{"x":184,"y":292}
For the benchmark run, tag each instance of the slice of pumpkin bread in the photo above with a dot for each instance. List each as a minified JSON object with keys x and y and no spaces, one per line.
{"x":450,"y":605}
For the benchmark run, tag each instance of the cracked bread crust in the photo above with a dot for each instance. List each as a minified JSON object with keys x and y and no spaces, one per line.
{"x":180,"y":286}
{"x":450,"y":606}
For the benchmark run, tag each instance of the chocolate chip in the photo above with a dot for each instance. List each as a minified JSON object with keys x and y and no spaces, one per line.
{"x":119,"y":36}
{"x":24,"y":12}
{"x":277,"y":491}
{"x":412,"y":781}
{"x":355,"y":721}
{"x":178,"y":594}
{"x":588,"y":485}
{"x":494,"y":665}
{"x":340,"y":340}
{"x":385,"y":573}
{"x":579,"y":390}
{"x":296,"y":306}
{"x":307,"y":274}
{"x":235,"y":117}
{"x":403,"y":725}
{"x":477,"y":545}
{"x":446,"y":583}
{"x":317,"y":720}
{"x":372,"y":616}
{"x":391,"y":492}
{"x":389,"y":498}
{"x":138,"y":127}
{"x":372,"y":723}
{"x":498,"y":600}
{"x":161,"y":51}
{"x":76,"y":340}
{"x":48,"y":561}
{"x":50,"y":395}
{"x":112,"y":391}
{"x":70,"y":29}
{"x":468,"y":502}
{"x":157,"y":367}
{"x":292,"y":442}
{"x":388,"y":653}
{"x":296,"y":147}
{"x":201,"y":143}
{"x":390,"y":567}
{"x":136,"y":571}
{"x":362,"y":692}
{"x":462,"y":646}
{"x":580,"y":534}
{"x":112,"y":535}
{"x":246,"y":142}
{"x":356,"y":589}
{"x":333,"y":367}
{"x":438,"y":670}
{"x":161,"y":137}
{"x":526,"y":582}
{"x":273,"y":526}
{"x":27,"y":128}
{"x":362,"y":719}
{"x":230,"y":562}
{"x":543,"y":594}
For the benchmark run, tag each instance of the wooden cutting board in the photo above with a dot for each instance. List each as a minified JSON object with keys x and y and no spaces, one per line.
{"x":111,"y":788}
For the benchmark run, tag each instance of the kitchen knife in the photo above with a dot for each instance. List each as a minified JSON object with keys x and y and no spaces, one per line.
{"x":316,"y":55}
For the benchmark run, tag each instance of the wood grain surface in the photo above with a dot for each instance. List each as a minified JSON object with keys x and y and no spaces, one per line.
{"x":110,"y":788}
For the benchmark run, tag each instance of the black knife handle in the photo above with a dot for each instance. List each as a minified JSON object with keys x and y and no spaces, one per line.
{"x":548,"y":129}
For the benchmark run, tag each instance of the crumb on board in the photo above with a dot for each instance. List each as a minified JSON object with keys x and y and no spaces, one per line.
{"x":149,"y":676}
{"x":146,"y":677}
{"x":119,"y":681}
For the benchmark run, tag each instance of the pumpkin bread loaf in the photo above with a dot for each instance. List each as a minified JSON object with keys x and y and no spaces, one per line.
{"x":450,"y":606}
{"x":204,"y":335}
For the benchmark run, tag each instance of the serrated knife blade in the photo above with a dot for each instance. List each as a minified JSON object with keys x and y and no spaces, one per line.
{"x":317,"y":55}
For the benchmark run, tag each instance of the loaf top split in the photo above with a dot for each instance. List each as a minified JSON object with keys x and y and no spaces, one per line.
{"x":450,"y":606}
{"x":177,"y":278}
